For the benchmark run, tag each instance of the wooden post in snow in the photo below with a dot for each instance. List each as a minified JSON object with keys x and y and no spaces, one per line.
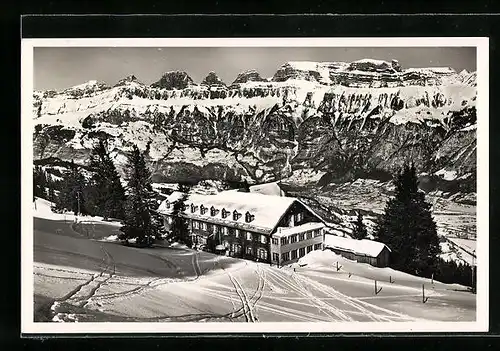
{"x":424,"y":299}
{"x":377,"y":290}
{"x":390,"y":280}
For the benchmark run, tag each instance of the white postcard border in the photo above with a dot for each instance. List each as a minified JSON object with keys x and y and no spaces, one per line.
{"x":28,"y":326}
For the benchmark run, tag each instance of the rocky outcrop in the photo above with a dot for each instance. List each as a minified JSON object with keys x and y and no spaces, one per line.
{"x":87,"y":89}
{"x":174,"y":80}
{"x":247,"y":76}
{"x":129,"y":79}
{"x":299,"y":71}
{"x":212,"y":80}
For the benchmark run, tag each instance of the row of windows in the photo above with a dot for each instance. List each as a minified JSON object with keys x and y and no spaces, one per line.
{"x":297,"y":237}
{"x":217,"y":229}
{"x":292,"y":255}
{"x":236,"y":249}
{"x":249,"y":217}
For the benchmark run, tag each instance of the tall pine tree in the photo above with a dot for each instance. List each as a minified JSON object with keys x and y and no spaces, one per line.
{"x":408,"y":228}
{"x":108,"y":195}
{"x":179,"y":230}
{"x":39,"y":182}
{"x":359,"y":231}
{"x":139,"y":222}
{"x":72,"y":194}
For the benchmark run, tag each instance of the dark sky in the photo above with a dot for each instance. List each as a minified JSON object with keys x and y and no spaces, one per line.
{"x":59,"y":68}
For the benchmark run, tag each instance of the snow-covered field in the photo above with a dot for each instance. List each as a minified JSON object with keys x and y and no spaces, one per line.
{"x":94,"y":280}
{"x":42,"y":209}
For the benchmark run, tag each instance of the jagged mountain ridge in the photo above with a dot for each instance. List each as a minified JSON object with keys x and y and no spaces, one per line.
{"x":339,"y":118}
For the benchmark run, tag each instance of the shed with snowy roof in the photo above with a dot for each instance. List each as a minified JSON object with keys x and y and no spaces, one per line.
{"x":365,"y":251}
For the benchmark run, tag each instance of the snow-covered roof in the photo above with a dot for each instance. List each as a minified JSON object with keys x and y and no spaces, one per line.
{"x":360,"y":247}
{"x":282,"y":232}
{"x":266,"y":210}
{"x":267,"y":189}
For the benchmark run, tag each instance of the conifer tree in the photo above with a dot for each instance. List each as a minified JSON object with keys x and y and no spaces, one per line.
{"x":139,"y":221}
{"x":39,"y":182}
{"x":360,"y":231}
{"x":107,"y":195}
{"x":71,"y":196}
{"x":408,"y":228}
{"x":179,"y":230}
{"x":51,"y":195}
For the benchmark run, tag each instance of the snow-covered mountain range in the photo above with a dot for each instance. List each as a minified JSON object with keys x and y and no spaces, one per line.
{"x":341,"y":119}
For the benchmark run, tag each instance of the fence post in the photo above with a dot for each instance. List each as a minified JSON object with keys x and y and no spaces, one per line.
{"x":424,"y":299}
{"x":376,"y":289}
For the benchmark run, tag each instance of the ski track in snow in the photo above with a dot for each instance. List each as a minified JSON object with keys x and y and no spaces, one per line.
{"x":231,"y":290}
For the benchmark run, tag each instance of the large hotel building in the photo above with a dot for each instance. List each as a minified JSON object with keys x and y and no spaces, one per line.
{"x":273,"y":229}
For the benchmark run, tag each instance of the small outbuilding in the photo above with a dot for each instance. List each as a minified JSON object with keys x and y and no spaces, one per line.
{"x":365,"y":251}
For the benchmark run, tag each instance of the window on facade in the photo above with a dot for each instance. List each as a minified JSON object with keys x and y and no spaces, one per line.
{"x":203,"y":209}
{"x":309,"y":235}
{"x":236,"y":215}
{"x":224,"y":213}
{"x":293,"y":239}
{"x":249,"y":250}
{"x":196,"y":225}
{"x":249,"y":236}
{"x":301,"y":236}
{"x":316,"y":233}
{"x":309,"y":248}
{"x":237,"y":233}
{"x":193,"y":208}
{"x":167,"y":204}
{"x":249,"y":217}
{"x":299,"y":217}
{"x":263,"y":239}
{"x":294,"y":254}
{"x":276,"y":257}
{"x":275,"y":241}
{"x":302,"y":252}
{"x":213,"y":211}
{"x":262,"y":254}
{"x":284,"y":241}
{"x":236,"y":248}
{"x":225,"y":230}
{"x":285,"y":256}
{"x":317,"y":246}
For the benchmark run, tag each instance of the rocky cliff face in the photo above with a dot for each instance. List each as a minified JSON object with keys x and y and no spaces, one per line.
{"x":341,"y":119}
{"x":247,"y":76}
